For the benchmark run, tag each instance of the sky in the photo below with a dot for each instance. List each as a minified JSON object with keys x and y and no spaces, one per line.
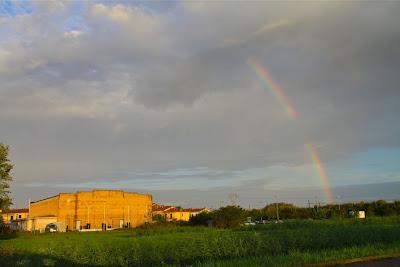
{"x":201,"y":103}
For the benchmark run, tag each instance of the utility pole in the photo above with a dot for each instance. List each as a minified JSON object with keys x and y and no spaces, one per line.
{"x":129,"y":216}
{"x":316,"y":204}
{"x":29,"y":222}
{"x":88,"y":214}
{"x":234,"y":197}
{"x":104,"y":214}
{"x":277,"y":208}
{"x":29,"y":208}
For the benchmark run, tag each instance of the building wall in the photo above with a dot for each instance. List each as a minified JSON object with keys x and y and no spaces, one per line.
{"x":182,"y":215}
{"x":179,"y":215}
{"x":39,"y":223}
{"x":9,"y":216}
{"x":67,"y":205}
{"x":160,"y":210}
{"x":45,"y":208}
{"x":113,"y":207}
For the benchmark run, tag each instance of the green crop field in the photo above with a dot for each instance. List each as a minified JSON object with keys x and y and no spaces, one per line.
{"x":291,"y":243}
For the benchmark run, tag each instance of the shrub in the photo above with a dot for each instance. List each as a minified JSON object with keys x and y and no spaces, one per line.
{"x":201,"y":219}
{"x":229,"y":217}
{"x":159,"y":218}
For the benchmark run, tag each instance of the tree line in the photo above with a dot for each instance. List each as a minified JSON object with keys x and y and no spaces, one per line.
{"x":232,"y":216}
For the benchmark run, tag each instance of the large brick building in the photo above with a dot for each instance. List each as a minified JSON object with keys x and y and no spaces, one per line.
{"x":91,"y":210}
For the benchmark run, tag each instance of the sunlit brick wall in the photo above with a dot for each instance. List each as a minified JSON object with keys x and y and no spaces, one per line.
{"x":113,"y":207}
{"x":45,"y":207}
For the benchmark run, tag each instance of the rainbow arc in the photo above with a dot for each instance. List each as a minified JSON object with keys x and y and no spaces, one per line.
{"x":269,"y":83}
{"x":264,"y":75}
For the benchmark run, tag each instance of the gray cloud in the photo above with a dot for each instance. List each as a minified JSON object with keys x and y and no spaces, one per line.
{"x":142,"y":89}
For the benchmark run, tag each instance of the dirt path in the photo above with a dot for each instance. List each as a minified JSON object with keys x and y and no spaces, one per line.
{"x":394,"y":262}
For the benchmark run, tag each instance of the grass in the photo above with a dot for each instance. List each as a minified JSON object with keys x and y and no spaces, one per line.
{"x":291,"y":243}
{"x":323,"y":257}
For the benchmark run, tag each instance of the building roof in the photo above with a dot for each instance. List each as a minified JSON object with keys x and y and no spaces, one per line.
{"x":175,"y":209}
{"x":15,"y":211}
{"x":32,"y":202}
{"x":157,"y":207}
{"x":195,"y":209}
{"x":167,"y":208}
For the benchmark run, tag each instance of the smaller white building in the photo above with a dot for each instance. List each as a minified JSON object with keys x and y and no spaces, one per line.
{"x":361,"y":214}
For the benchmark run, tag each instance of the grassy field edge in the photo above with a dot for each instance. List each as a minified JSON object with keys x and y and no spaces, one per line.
{"x":319,"y":258}
{"x":293,"y":243}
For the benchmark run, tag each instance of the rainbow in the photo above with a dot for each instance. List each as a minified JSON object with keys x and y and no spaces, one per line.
{"x":265,"y":77}
{"x":319,"y":167}
{"x":276,"y":90}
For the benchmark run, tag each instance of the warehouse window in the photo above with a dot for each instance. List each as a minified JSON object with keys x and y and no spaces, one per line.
{"x":19,"y":216}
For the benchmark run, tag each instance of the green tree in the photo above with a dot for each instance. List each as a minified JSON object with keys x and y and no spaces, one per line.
{"x":159,"y":218}
{"x":382,"y":208}
{"x":229,"y":216}
{"x":255,"y":214}
{"x":5,"y":177}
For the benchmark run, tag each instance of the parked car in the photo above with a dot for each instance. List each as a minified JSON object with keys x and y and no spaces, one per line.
{"x":55,"y":227}
{"x":51,"y":227}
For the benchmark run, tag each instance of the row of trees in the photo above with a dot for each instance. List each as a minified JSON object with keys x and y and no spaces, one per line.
{"x":290,"y":211}
{"x":233,"y":216}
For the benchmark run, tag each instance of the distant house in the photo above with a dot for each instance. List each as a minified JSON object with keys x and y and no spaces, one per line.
{"x":172,"y":213}
{"x":160,"y":209}
{"x":179,"y":214}
{"x":15,"y":218}
{"x":10,"y":216}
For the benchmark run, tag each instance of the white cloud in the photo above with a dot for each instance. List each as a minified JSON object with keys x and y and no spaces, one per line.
{"x":132,"y":26}
{"x":118,"y":13}
{"x":73,"y":34}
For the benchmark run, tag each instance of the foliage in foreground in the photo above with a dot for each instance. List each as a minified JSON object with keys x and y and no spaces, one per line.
{"x":177,"y":245}
{"x":5,"y":177}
